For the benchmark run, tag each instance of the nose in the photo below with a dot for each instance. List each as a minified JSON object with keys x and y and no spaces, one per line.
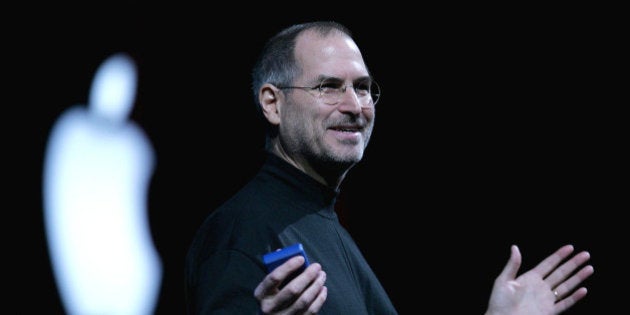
{"x":352,"y":103}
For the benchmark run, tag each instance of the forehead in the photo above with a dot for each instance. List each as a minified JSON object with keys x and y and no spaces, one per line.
{"x":333,"y":54}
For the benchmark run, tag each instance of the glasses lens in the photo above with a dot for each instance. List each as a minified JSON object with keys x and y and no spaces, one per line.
{"x":367,"y":94}
{"x":375,"y":92}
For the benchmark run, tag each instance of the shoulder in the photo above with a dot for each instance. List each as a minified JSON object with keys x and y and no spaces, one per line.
{"x":238,"y":224}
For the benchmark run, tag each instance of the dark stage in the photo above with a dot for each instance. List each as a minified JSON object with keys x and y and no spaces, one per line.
{"x":493,"y":129}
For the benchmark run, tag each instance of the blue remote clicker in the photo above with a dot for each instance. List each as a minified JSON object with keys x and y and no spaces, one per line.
{"x":277,"y":258}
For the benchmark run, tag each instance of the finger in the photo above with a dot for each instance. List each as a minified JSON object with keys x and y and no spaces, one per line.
{"x":273,"y":299}
{"x":545,"y":267}
{"x":309,"y":296}
{"x":569,"y":301}
{"x":574,"y":281}
{"x":296,"y":287}
{"x":319,"y":301}
{"x":511,"y":268}
{"x":561,"y":273}
{"x":272,"y":281}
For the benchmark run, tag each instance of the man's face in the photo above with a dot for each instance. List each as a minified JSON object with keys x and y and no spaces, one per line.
{"x":312,"y":131}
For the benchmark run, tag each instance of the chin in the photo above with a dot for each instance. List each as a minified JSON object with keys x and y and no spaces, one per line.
{"x":350,"y":157}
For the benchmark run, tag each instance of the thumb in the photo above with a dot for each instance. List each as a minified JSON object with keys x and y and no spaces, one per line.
{"x":514,"y":263}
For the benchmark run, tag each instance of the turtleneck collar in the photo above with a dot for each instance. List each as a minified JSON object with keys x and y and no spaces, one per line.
{"x":311,"y":192}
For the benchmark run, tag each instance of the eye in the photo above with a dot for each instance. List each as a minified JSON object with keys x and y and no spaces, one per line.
{"x":362,"y":88}
{"x":329,"y":86}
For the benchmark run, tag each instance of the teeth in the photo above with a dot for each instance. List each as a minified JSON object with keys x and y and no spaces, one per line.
{"x":346,"y":129}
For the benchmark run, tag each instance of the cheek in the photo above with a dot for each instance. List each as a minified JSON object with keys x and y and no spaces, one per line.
{"x":305,"y":115}
{"x":369,"y":115}
{"x":296,"y":121}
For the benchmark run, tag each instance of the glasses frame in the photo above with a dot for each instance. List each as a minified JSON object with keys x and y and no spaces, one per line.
{"x":342,"y":89}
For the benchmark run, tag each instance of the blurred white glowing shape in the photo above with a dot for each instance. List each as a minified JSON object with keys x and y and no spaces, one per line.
{"x":97,"y":172}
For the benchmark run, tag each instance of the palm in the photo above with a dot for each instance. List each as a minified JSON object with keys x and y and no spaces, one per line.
{"x":547,"y":289}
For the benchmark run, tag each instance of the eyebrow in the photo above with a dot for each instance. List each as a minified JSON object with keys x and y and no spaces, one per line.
{"x":321,"y":78}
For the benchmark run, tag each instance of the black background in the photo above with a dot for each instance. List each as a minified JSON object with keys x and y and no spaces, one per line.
{"x":497,"y":125}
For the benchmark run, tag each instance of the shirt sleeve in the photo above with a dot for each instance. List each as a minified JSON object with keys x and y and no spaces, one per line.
{"x":225,"y":284}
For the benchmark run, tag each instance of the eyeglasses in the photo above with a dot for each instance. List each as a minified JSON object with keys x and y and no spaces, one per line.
{"x":331,"y":91}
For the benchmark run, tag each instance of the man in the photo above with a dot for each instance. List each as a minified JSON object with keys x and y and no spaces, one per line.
{"x":319,"y":100}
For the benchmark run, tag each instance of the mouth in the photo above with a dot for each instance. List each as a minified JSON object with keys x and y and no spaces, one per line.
{"x":347,"y":128}
{"x":347,"y":134}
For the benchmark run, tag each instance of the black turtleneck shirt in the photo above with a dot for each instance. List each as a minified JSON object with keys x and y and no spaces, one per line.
{"x":280,"y":206}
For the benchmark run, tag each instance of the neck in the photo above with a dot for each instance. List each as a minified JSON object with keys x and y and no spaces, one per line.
{"x":328,"y":173}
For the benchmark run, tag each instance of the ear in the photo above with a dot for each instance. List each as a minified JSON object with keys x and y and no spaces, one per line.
{"x":269,"y":99}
